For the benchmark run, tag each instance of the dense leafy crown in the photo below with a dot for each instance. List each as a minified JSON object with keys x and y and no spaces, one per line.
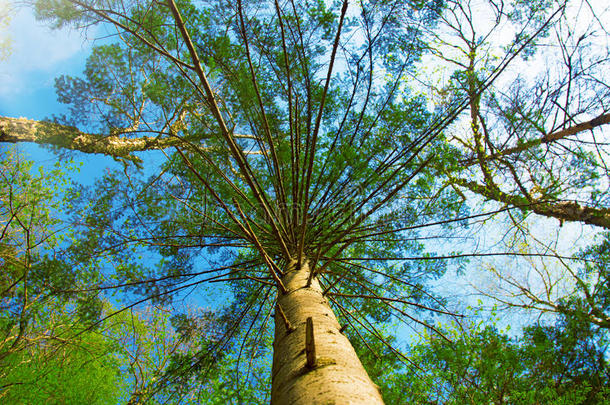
{"x":310,"y":130}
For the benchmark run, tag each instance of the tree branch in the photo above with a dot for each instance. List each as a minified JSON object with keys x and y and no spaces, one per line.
{"x":547,"y":138}
{"x":13,"y":130}
{"x":562,"y":210}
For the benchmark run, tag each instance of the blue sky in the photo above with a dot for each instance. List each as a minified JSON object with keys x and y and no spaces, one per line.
{"x":38,"y":54}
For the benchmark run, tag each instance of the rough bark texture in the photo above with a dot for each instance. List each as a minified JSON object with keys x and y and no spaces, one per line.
{"x":562,"y":210}
{"x":42,"y":132}
{"x":338,"y":377}
{"x":122,"y":148}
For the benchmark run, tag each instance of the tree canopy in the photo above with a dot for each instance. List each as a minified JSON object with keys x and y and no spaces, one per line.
{"x":324,"y":163}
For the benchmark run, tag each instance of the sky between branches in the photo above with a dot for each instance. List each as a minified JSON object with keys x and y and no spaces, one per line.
{"x":39,"y":54}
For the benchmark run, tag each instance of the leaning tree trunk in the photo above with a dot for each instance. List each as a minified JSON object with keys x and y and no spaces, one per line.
{"x":313,"y":362}
{"x":15,"y":130}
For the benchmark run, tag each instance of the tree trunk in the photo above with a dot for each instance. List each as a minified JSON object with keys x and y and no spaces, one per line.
{"x":122,"y":148}
{"x":64,"y":136}
{"x":313,"y":362}
{"x":562,"y":210}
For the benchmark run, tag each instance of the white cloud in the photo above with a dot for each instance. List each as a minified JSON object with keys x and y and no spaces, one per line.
{"x":37,"y":54}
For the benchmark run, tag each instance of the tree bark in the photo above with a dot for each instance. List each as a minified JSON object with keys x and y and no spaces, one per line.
{"x":562,"y":210}
{"x":548,"y":138}
{"x":313,"y":362}
{"x":15,"y":130}
{"x":122,"y":148}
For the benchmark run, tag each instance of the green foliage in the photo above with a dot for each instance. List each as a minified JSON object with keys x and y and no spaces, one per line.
{"x":40,"y":360}
{"x":277,"y":158}
{"x":58,"y":368}
{"x":54,"y":347}
{"x":564,"y":363}
{"x":593,"y":285}
{"x":31,"y":228}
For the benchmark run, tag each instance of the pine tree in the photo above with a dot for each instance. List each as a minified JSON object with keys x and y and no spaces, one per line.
{"x":301,"y":159}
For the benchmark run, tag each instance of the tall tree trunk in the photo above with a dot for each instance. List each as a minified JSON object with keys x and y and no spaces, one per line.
{"x":67,"y":137}
{"x":313,"y":362}
{"x":123,"y":148}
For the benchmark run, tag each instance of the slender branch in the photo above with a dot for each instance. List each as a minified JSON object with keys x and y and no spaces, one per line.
{"x":562,"y":210}
{"x":545,"y":139}
{"x":234,"y":149}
